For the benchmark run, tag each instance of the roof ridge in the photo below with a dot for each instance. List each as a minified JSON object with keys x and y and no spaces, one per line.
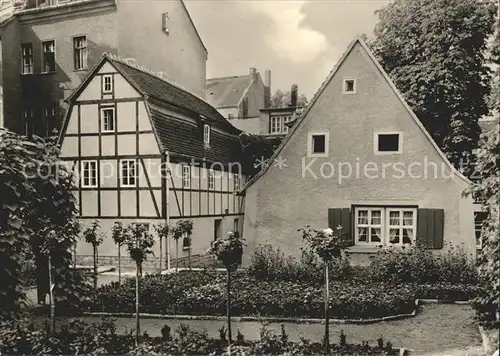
{"x":159,"y":75}
{"x":228,"y":77}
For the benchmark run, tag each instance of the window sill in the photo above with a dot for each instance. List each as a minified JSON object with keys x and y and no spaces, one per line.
{"x":372,"y":249}
{"x":184,"y":248}
{"x":45,"y":73}
{"x":80,"y":70}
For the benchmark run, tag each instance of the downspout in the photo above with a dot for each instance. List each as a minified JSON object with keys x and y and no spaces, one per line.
{"x":167,"y":202}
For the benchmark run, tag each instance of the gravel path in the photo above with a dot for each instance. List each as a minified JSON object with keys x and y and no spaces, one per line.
{"x":437,"y":329}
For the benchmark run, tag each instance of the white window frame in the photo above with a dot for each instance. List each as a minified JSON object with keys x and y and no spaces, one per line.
{"x":110,"y":90}
{"x":81,"y":52}
{"x":129,"y":180}
{"x":286,"y":120}
{"x":310,"y":152}
{"x":184,"y":237}
{"x":44,"y":59}
{"x":27,"y":59}
{"x":344,"y":85}
{"x":275,"y":124}
{"x":376,"y":135}
{"x":164,"y":22}
{"x":28,"y":117}
{"x":104,"y":127}
{"x":211,"y":179}
{"x":89,"y":177}
{"x":206,"y":134}
{"x":385,"y":225}
{"x":145,"y":224}
{"x":186,"y":176}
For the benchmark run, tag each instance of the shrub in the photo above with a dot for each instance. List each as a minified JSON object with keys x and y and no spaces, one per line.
{"x":271,"y":264}
{"x":203,"y":293}
{"x":419,"y":265}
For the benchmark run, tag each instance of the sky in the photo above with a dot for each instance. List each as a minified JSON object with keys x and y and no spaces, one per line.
{"x":299,"y":41}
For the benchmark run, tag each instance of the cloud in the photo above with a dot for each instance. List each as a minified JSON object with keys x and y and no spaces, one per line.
{"x":290,"y":38}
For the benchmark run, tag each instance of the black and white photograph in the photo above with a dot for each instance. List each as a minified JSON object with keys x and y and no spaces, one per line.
{"x":250,"y":177}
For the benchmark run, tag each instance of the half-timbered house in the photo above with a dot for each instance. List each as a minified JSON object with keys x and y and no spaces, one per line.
{"x":125,"y":125}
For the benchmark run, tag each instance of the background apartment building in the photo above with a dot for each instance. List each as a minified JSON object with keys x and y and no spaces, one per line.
{"x":49,"y":46}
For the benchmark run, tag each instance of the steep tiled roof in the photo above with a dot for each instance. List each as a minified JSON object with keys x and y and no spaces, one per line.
{"x":152,"y":85}
{"x":227,"y":91}
{"x":185,"y":138}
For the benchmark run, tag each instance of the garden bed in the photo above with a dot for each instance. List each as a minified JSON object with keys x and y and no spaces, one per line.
{"x":203,"y":293}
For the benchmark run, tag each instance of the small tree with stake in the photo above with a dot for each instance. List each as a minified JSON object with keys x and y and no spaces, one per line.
{"x":162,"y":230}
{"x":182,"y":229}
{"x":118,"y":235}
{"x":94,"y":237}
{"x":229,"y":251}
{"x":139,"y":243}
{"x":329,"y":247}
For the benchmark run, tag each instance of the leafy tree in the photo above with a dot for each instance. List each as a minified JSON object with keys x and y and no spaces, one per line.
{"x":434,"y":51}
{"x":94,"y":237}
{"x":229,"y":251}
{"x":118,"y":235}
{"x":257,"y":150}
{"x":35,"y":192}
{"x":329,"y":247}
{"x":139,"y":243}
{"x":487,"y":190}
{"x":282,"y":99}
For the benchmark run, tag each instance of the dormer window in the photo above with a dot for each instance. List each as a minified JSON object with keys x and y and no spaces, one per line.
{"x":349,"y":86}
{"x":206,"y":134}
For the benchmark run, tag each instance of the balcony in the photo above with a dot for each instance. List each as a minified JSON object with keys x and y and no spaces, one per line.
{"x":30,"y":5}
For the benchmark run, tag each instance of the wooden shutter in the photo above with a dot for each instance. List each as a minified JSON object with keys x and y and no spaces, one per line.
{"x":430,"y":228}
{"x":341,"y":216}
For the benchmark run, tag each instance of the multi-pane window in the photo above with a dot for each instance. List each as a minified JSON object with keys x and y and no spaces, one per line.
{"x":236,"y":181}
{"x":107,"y":84}
{"x":128,"y":173}
{"x":27,"y":58}
{"x":211,"y":179}
{"x":286,"y":120}
{"x":186,"y":241}
{"x":108,"y":119}
{"x":275,"y":124}
{"x":385,"y":226}
{"x":28,"y":121}
{"x":80,"y":52}
{"x":89,"y":174}
{"x":49,"y":56}
{"x":186,"y":176}
{"x":479,"y":218}
{"x":143,"y":226}
{"x":50,"y":117}
{"x":206,"y":134}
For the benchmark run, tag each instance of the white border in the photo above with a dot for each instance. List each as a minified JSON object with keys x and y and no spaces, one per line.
{"x":344,"y":80}
{"x":310,"y":144}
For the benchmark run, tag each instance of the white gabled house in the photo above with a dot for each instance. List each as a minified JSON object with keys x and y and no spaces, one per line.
{"x":126,"y":124}
{"x":358,"y":157}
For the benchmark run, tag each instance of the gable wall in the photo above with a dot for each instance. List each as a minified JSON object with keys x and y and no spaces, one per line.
{"x":287,"y":200}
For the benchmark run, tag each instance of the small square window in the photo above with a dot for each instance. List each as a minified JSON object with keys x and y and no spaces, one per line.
{"x":349,"y":86}
{"x":318,"y":144}
{"x":107,"y":84}
{"x":388,"y":143}
{"x":108,"y":119}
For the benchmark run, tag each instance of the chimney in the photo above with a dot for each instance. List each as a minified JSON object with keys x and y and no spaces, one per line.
{"x":294,"y":95}
{"x":252,"y":73}
{"x":267,"y":89}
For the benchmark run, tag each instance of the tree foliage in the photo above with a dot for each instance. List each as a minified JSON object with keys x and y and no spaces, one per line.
{"x":487,"y":304}
{"x":36,"y":196}
{"x":434,"y":51}
{"x":282,"y":99}
{"x":257,"y":150}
